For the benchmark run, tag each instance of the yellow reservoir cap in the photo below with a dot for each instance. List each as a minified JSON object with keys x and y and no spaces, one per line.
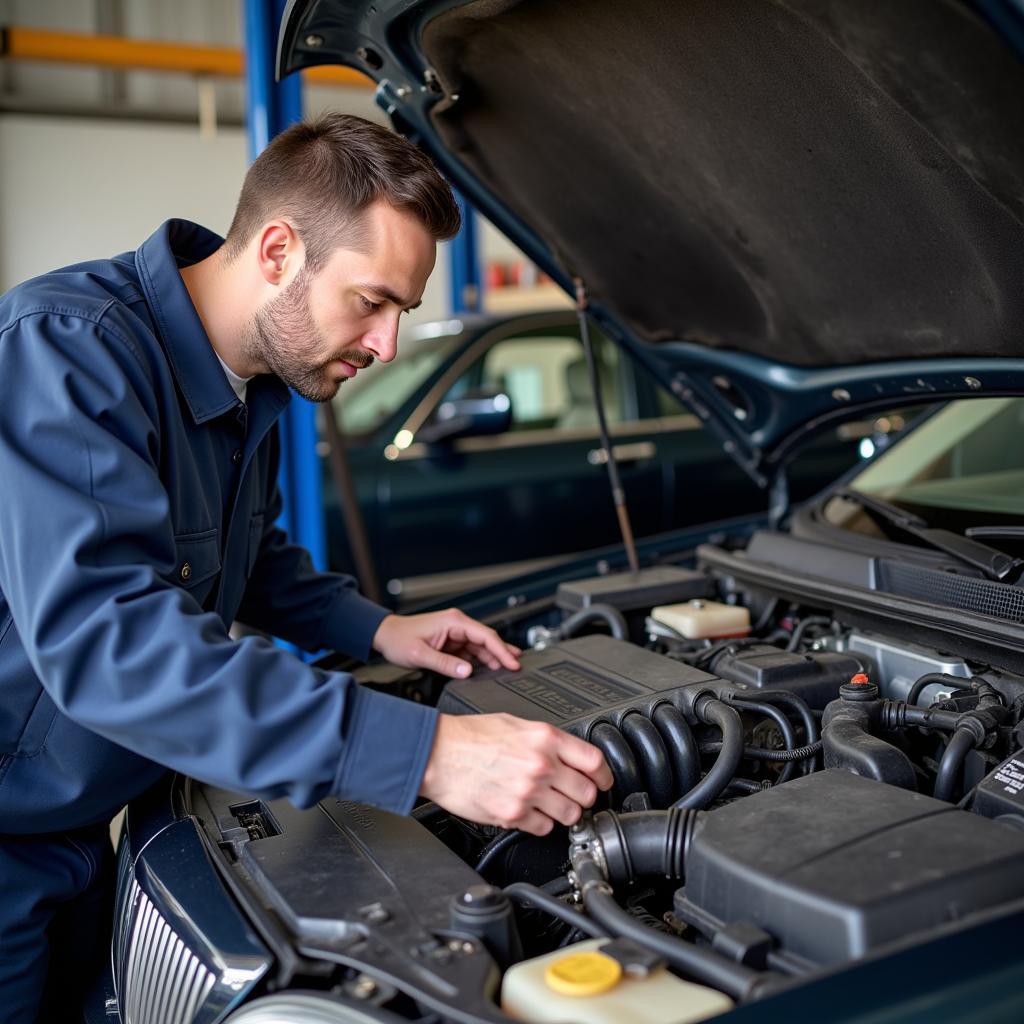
{"x":583,"y":974}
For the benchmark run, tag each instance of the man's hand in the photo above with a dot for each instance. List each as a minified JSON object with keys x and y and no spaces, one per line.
{"x":505,"y":771}
{"x":435,"y":641}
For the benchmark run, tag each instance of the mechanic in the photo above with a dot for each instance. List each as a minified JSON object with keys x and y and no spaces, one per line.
{"x":138,"y":462}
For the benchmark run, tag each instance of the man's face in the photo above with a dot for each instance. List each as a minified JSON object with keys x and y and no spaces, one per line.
{"x":324,"y":327}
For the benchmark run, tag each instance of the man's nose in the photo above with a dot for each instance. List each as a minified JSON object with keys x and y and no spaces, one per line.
{"x":382,"y":340}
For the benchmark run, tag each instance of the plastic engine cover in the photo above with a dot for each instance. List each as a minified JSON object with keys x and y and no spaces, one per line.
{"x":577,"y":684}
{"x":833,"y":865}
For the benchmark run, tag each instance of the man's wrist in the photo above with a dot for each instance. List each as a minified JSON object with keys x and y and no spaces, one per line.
{"x":380,"y":634}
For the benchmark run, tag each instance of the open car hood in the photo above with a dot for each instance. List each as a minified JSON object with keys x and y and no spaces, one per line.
{"x":790,"y":209}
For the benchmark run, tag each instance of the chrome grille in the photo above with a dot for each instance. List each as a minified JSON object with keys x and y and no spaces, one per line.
{"x":125,"y":888}
{"x":161,"y":980}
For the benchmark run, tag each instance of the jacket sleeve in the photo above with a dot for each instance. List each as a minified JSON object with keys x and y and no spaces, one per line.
{"x":287,"y":597}
{"x":86,"y":558}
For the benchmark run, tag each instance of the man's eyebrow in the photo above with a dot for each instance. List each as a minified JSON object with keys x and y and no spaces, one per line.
{"x":387,"y":293}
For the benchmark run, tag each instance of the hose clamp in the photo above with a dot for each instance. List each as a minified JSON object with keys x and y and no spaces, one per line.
{"x":586,"y":845}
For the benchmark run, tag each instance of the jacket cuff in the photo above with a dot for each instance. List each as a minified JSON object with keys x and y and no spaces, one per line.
{"x":386,"y":743}
{"x":352,"y":623}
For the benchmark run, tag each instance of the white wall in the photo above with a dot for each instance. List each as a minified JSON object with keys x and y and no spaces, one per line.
{"x":74,"y":189}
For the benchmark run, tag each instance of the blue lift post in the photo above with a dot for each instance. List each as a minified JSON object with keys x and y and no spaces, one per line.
{"x":272,"y":107}
{"x":466,"y":283}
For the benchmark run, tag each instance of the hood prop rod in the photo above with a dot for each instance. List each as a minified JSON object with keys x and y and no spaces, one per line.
{"x":618,"y":495}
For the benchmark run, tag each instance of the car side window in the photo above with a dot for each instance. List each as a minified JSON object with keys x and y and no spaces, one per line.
{"x":544,"y":373}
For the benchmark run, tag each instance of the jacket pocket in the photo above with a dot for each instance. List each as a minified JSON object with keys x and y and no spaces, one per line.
{"x":198,"y":562}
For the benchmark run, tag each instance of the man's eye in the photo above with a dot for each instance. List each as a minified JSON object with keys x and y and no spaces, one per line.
{"x":369,"y":306}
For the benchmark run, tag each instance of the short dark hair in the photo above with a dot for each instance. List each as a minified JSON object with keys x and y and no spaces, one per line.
{"x":323,"y":174}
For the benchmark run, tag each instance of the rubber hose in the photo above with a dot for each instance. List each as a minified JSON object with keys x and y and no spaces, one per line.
{"x":682,"y":747}
{"x":619,"y":755}
{"x":962,"y":741}
{"x":715,"y":712}
{"x":800,"y":706}
{"x":802,"y":626}
{"x":612,"y":617}
{"x":785,"y":727}
{"x":496,"y":847}
{"x":699,"y":963}
{"x":645,"y":844}
{"x":532,"y":896}
{"x":652,"y":754}
{"x":560,"y":886}
{"x":927,"y":680}
{"x":926,"y":718}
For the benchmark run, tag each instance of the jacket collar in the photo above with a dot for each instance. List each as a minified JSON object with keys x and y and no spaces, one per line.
{"x":176,"y":244}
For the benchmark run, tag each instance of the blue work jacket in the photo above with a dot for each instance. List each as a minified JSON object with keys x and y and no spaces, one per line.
{"x":138,"y":501}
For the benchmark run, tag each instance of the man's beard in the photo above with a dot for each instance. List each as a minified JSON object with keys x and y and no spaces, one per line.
{"x":283,"y":336}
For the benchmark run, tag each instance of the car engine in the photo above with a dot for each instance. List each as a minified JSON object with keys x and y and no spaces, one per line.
{"x":793,"y":793}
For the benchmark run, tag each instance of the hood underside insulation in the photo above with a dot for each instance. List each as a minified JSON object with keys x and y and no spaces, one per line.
{"x":819,"y":182}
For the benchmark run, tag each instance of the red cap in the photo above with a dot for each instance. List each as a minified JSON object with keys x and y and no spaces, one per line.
{"x":860,"y":679}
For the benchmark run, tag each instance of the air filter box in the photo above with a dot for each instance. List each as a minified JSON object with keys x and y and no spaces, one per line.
{"x":834,"y":865}
{"x":578,"y":683}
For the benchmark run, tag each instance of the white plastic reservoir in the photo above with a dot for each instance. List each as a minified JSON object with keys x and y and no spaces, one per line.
{"x":699,"y":619}
{"x":581,"y":985}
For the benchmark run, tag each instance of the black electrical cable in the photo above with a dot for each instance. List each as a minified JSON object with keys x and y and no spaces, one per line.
{"x":496,"y":847}
{"x":801,"y":628}
{"x":785,"y":727}
{"x":715,"y":712}
{"x":532,"y":896}
{"x":797,"y":704}
{"x":682,"y":747}
{"x":621,"y":760}
{"x":612,"y":617}
{"x":962,"y":741}
{"x":699,"y":963}
{"x":763,"y":754}
{"x":748,"y":786}
{"x":652,"y":753}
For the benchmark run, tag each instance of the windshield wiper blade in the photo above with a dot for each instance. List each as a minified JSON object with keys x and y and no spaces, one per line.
{"x":995,"y":564}
{"x":1007,"y":532}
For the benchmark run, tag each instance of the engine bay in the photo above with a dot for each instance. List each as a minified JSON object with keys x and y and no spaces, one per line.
{"x":793,"y":792}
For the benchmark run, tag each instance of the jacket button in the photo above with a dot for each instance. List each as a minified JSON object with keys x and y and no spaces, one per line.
{"x":236,"y":456}
{"x":186,"y":571}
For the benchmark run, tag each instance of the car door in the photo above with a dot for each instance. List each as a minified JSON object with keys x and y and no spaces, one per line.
{"x":537,"y":490}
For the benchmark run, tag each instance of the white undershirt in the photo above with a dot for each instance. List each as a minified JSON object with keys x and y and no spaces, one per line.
{"x":238,"y":384}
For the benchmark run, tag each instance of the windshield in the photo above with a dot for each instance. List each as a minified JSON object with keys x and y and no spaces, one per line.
{"x":963,"y":467}
{"x":376,"y":393}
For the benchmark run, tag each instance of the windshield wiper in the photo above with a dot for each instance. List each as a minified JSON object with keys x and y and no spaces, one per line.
{"x":995,"y":564}
{"x":1006,"y":532}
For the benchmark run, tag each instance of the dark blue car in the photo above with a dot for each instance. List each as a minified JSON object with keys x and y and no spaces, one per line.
{"x":485,"y":429}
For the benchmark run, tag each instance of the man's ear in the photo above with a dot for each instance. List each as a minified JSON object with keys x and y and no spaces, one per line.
{"x":279,"y":251}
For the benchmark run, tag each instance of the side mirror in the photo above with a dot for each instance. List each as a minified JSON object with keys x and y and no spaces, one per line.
{"x":474,"y":415}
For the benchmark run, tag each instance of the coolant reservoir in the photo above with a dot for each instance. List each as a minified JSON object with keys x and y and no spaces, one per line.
{"x":700,"y":619}
{"x":581,"y":985}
